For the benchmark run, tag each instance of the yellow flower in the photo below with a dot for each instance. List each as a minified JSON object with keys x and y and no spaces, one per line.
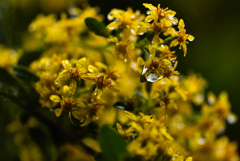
{"x":77,"y":109}
{"x":157,"y":13}
{"x":124,"y":19}
{"x":156,"y":68}
{"x":111,"y":73}
{"x":182,"y":38}
{"x":74,"y":73}
{"x":100,"y":80}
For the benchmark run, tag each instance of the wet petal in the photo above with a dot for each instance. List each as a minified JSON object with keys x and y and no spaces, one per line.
{"x":92,"y":69}
{"x":80,"y":114}
{"x":174,"y":43}
{"x":144,"y":27}
{"x":58,"y":112}
{"x":73,"y":86}
{"x":131,"y":116}
{"x":101,"y":65}
{"x":66,"y":64}
{"x":113,"y":87}
{"x":66,"y":90}
{"x":140,"y":61}
{"x":64,"y":74}
{"x":155,"y":41}
{"x":148,"y":18}
{"x":89,"y":76}
{"x":150,"y":6}
{"x":98,"y":93}
{"x":190,"y":38}
{"x":113,"y":25}
{"x":184,"y":46}
{"x":55,"y":98}
{"x":81,"y":62}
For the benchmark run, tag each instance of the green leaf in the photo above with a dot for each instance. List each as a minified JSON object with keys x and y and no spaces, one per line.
{"x":149,"y":35}
{"x":17,"y":90}
{"x":142,"y":43}
{"x":29,"y":57}
{"x":97,"y":27}
{"x":112,"y":145}
{"x":24,"y":74}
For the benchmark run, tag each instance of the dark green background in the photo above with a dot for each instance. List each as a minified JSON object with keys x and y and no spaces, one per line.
{"x":214,"y":53}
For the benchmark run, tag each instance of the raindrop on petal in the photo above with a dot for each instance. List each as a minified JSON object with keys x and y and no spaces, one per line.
{"x":152,"y":77}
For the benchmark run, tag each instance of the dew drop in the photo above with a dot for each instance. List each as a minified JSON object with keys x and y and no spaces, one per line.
{"x":152,"y":77}
{"x":125,"y":60}
{"x":201,"y":141}
{"x":231,"y":119}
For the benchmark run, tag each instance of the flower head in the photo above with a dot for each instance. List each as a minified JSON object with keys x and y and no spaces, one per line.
{"x":69,"y":105}
{"x":101,"y":81}
{"x":182,"y":37}
{"x":74,"y":73}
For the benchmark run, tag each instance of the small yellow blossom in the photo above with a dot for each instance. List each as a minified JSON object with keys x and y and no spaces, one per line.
{"x":100,"y":80}
{"x":182,"y":38}
{"x":157,"y":13}
{"x":74,"y":73}
{"x":77,"y":109}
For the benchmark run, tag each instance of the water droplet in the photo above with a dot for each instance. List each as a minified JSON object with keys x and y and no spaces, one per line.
{"x":121,"y":107}
{"x":201,"y":141}
{"x":221,"y":130}
{"x":152,"y":77}
{"x":211,"y":100}
{"x":4,"y":99}
{"x":56,"y":82}
{"x":125,"y":60}
{"x":231,"y":119}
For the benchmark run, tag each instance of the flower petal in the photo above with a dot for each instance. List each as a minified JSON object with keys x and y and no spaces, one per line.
{"x":184,"y":46}
{"x":64,"y":74}
{"x":55,"y":98}
{"x":113,"y":87}
{"x":181,"y":25}
{"x":73,"y":86}
{"x":58,"y":112}
{"x":140,"y":61}
{"x":92,"y":69}
{"x":150,"y":6}
{"x":66,"y":64}
{"x":81,"y":62}
{"x":174,"y":43}
{"x":66,"y":90}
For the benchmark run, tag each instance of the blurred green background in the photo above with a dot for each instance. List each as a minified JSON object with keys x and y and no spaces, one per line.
{"x":214,"y":53}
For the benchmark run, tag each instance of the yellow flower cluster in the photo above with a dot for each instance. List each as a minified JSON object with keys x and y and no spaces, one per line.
{"x":128,"y":79}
